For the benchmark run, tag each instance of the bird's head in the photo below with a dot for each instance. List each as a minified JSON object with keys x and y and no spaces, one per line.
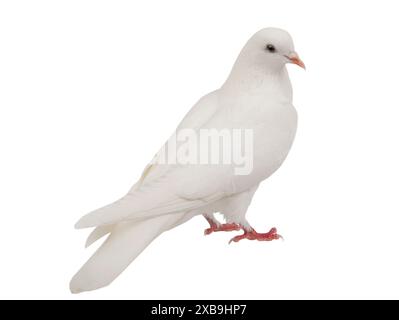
{"x":271,"y":48}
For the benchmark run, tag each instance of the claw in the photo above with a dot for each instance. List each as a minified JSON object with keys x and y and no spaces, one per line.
{"x":222,"y":227}
{"x":253,"y":235}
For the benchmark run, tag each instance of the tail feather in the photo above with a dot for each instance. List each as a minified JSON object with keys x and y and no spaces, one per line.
{"x":126,"y":241}
{"x":98,"y":233}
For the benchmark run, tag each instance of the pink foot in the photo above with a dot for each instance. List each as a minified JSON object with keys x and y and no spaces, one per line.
{"x":253,"y":235}
{"x":222,"y":227}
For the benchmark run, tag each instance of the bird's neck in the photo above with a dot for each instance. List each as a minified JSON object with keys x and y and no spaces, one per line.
{"x":254,"y":80}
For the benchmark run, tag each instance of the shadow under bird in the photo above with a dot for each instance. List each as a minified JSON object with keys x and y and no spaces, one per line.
{"x":256,"y":96}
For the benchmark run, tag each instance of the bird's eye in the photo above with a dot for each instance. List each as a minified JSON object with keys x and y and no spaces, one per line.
{"x":271,"y":48}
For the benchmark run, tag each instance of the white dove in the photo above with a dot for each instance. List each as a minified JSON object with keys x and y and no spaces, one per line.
{"x":257,"y":96}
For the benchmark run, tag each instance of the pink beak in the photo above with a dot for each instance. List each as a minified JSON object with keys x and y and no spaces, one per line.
{"x":294,"y":58}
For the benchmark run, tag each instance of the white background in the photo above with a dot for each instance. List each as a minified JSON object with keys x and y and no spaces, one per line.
{"x":90,"y":89}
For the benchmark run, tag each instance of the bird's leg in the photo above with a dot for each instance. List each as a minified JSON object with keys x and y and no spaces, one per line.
{"x":251,"y":234}
{"x":215,"y":226}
